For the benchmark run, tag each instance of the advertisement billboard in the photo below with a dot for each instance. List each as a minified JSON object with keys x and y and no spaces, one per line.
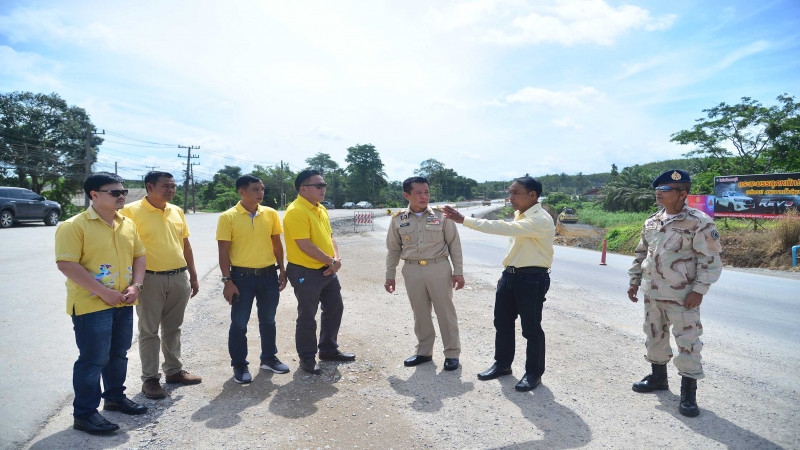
{"x":765,"y":196}
{"x":704,"y":203}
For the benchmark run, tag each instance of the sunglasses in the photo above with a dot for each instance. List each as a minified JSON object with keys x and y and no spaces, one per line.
{"x":667,"y":189}
{"x":318,"y":185}
{"x":114,"y":192}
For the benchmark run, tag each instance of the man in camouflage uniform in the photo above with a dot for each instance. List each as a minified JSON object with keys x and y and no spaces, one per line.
{"x":427,"y":242}
{"x":677,"y":259}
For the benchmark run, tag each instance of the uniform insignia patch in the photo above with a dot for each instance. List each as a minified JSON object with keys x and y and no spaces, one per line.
{"x":404,"y":224}
{"x":432,"y":220}
{"x":407,"y":238}
{"x":675,"y":175}
{"x":715,"y":234}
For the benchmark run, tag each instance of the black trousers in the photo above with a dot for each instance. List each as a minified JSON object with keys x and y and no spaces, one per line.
{"x":312,"y":289}
{"x":523,"y":295}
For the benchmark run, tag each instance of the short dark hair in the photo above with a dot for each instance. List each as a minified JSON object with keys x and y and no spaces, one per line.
{"x":98,"y":179}
{"x":531,"y":184}
{"x":409,"y":181}
{"x":246,"y":180}
{"x":303,"y":176}
{"x":153,"y":176}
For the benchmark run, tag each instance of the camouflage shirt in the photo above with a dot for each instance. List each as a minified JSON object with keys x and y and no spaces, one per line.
{"x":677,"y":255}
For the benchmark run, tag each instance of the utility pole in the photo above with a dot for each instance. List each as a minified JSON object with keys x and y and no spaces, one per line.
{"x":283,"y":196}
{"x":87,"y":161}
{"x":188,"y":171}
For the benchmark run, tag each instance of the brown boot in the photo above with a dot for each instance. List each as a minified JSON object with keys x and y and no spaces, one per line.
{"x":152,"y":389}
{"x":183,"y":377}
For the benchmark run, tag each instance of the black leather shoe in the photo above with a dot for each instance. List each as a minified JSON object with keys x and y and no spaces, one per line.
{"x":95,"y":424}
{"x":337,"y":356}
{"x":416,"y":360}
{"x":528,"y":383}
{"x":310,"y":366}
{"x":450,"y":363}
{"x":493,"y":372}
{"x":126,"y":406}
{"x":688,"y":406}
{"x":656,"y":381}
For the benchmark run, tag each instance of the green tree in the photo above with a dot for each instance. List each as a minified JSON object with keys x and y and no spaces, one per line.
{"x":747,"y":137}
{"x":43,"y":139}
{"x":631,"y":191}
{"x":365,"y":172}
{"x":322,"y":162}
{"x":273,"y":178}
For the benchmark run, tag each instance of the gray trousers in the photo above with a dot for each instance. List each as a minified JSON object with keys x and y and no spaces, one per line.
{"x":313,"y":290}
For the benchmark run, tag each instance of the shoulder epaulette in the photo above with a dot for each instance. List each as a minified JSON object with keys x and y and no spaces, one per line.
{"x":397,"y":213}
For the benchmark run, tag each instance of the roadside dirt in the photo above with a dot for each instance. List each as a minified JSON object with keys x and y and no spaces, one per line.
{"x":376,"y":402}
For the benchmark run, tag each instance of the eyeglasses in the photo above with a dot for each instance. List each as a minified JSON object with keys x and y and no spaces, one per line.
{"x":667,"y":189}
{"x":318,"y":185}
{"x":115,"y":192}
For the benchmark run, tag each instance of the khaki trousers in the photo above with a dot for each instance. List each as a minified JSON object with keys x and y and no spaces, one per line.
{"x":432,"y":286}
{"x":687,"y":329}
{"x":162,"y":304}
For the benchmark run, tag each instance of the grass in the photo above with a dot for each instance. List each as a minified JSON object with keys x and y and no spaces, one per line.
{"x":608,"y":220}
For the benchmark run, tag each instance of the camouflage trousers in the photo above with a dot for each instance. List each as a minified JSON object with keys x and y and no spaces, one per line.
{"x":659,"y":316}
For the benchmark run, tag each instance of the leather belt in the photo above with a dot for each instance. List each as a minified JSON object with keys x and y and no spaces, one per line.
{"x":252,"y":271}
{"x":168,"y":272}
{"x":528,"y":269}
{"x":425,"y":262}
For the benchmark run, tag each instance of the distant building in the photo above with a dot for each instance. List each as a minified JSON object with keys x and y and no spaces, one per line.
{"x":592,"y":193}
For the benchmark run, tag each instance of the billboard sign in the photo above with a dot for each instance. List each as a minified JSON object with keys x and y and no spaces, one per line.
{"x":704,"y":203}
{"x":766,"y":196}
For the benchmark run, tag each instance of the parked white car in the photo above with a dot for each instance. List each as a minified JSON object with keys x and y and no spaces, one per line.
{"x":364,"y":205}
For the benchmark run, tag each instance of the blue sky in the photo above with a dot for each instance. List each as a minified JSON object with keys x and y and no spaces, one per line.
{"x":491,"y":88}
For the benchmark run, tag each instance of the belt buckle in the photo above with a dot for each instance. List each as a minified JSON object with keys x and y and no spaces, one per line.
{"x":423,"y":262}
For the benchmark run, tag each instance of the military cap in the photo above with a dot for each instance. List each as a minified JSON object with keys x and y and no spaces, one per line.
{"x":672,"y":176}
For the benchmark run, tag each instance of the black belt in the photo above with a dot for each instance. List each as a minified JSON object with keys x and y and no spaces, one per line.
{"x":252,"y":271}
{"x":168,"y":272}
{"x":528,"y":269}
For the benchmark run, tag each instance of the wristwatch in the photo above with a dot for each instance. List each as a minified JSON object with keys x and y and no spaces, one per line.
{"x":139,"y":286}
{"x":226,"y":279}
{"x":334,"y":262}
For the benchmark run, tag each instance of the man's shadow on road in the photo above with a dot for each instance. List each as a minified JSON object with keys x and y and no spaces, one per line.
{"x":562,"y":427}
{"x":299,"y":397}
{"x":66,"y":438}
{"x":428,"y":388}
{"x":224,"y":410}
{"x":712,"y":426}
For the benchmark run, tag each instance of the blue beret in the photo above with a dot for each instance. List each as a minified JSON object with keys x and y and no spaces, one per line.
{"x":672,"y":176}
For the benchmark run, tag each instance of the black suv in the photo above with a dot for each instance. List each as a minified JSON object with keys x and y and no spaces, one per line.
{"x":19,"y":204}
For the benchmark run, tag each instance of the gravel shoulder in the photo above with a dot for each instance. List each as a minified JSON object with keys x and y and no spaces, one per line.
{"x":376,"y":402}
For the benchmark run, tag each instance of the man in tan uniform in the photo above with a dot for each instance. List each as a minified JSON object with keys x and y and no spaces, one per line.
{"x":677,"y":259}
{"x":423,"y":238}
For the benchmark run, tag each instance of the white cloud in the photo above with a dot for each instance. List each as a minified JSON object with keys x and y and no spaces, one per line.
{"x":51,"y":25}
{"x":327,"y":133}
{"x":539,"y":96}
{"x":27,"y":70}
{"x":741,"y":53}
{"x":565,"y":122}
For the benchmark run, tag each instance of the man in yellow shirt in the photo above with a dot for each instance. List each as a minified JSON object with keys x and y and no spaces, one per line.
{"x":170,"y":279}
{"x":525,"y":281}
{"x":102,"y":256}
{"x":313,"y":262}
{"x":251,"y":262}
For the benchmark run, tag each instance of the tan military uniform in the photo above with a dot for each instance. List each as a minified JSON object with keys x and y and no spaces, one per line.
{"x":425,"y":242}
{"x":676,"y":256}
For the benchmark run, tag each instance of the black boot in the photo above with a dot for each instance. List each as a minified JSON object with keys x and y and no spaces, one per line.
{"x":656,"y":381}
{"x":689,"y":397}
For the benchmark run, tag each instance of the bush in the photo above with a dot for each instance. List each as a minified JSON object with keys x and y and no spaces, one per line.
{"x":62,"y":192}
{"x":786,"y":232}
{"x":624,"y":239}
{"x":605,"y":219}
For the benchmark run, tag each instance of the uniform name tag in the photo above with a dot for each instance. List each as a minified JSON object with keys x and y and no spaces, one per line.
{"x":404,"y":224}
{"x":432,"y":220}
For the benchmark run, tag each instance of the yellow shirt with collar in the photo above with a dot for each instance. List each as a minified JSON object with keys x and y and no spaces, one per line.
{"x":532,"y":233}
{"x":106,"y":252}
{"x":162,"y":232}
{"x":250,"y":235}
{"x":303,"y":220}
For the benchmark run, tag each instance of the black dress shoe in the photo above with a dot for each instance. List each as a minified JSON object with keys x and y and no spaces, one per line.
{"x":450,"y":363}
{"x":528,"y":383}
{"x":310,"y":366}
{"x":493,"y":372}
{"x":337,"y":356}
{"x":95,"y":424}
{"x":417,"y":359}
{"x":125,"y":406}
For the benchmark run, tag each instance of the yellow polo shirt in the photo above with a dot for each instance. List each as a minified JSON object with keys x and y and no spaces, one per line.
{"x":105,"y":252}
{"x":303,"y":220}
{"x":250,"y":235}
{"x":532,"y":233}
{"x":162,"y":232}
